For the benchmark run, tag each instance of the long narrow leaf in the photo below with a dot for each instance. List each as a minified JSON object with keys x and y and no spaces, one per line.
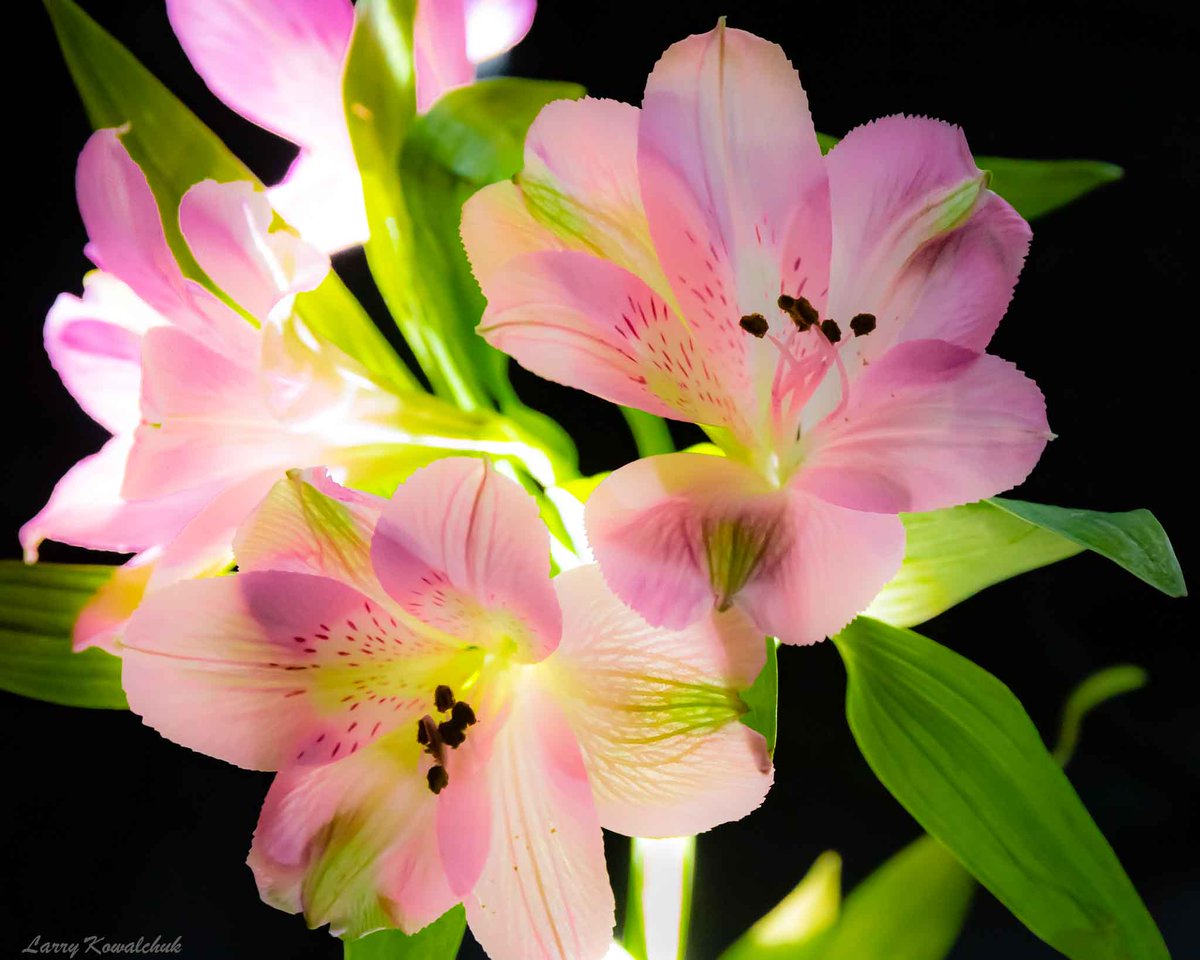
{"x":438,"y":941}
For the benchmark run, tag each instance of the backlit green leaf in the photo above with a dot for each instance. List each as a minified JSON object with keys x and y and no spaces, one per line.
{"x":1099,"y":688}
{"x":38,"y":607}
{"x":956,"y":748}
{"x":762,"y":698}
{"x":438,"y":941}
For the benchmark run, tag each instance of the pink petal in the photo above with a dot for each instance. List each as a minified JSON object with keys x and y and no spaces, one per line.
{"x":836,"y":561}
{"x":497,"y":227}
{"x":353,"y":844}
{"x":649,"y":525}
{"x":86,"y":508}
{"x":277,"y":64}
{"x":440,"y":50}
{"x":656,"y":712}
{"x":322,"y":198}
{"x":918,"y":242}
{"x":95,"y":345}
{"x":122,"y":219}
{"x":495,"y":26}
{"x":544,"y":892}
{"x":929,"y":425}
{"x":309,"y":524}
{"x":462,"y":548}
{"x":227,"y":227}
{"x":732,"y":178}
{"x":259,"y":669}
{"x":102,"y":620}
{"x":585,"y":322}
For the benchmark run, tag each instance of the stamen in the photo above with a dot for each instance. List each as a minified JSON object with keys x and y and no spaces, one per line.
{"x":754,"y":324}
{"x":451,"y":734}
{"x":833,"y":333}
{"x":862,"y":324}
{"x":443,"y":698}
{"x":463,"y":715}
{"x":437,"y":778}
{"x":422,"y":733}
{"x":800,"y":309}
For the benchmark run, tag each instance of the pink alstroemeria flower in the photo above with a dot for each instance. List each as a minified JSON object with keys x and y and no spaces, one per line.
{"x":207,"y":411}
{"x":279,"y":64}
{"x":824,"y":318}
{"x":448,"y":723}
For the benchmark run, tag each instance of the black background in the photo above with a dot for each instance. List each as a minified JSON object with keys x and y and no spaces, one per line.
{"x":110,"y":830}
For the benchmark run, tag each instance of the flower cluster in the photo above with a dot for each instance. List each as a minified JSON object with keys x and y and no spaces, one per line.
{"x":449,"y":723}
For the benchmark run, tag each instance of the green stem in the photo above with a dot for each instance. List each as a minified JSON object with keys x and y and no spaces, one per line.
{"x":650,"y":433}
{"x":659,"y":899}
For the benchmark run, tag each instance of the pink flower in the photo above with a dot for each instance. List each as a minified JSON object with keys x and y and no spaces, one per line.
{"x":824,"y":318}
{"x":448,"y":723}
{"x":207,"y":410}
{"x":279,"y":64}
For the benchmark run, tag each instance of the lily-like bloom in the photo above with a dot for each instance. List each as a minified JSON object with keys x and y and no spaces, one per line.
{"x":207,"y":410}
{"x":448,"y":723}
{"x":824,"y":318}
{"x":279,"y":64}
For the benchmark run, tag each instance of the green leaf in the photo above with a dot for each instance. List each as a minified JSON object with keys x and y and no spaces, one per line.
{"x":1034,"y":187}
{"x":911,"y":908}
{"x":1095,"y":690}
{"x":472,"y":137}
{"x":762,"y":698}
{"x":438,"y":941}
{"x":658,"y":900}
{"x":953,"y":554}
{"x":1037,"y":187}
{"x":38,"y":607}
{"x":176,"y":150}
{"x":956,"y":748}
{"x":650,"y":433}
{"x":1133,"y":540}
{"x":794,"y":926}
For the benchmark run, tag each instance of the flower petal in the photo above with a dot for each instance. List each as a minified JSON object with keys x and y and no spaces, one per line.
{"x":495,"y":26}
{"x":581,"y":321}
{"x":835,"y":563}
{"x":277,"y":64}
{"x":732,"y":177}
{"x":352,"y":843}
{"x":929,"y":425}
{"x":544,"y":892}
{"x":269,"y":669}
{"x":322,"y":198}
{"x":666,"y":530}
{"x":102,"y":620}
{"x":462,"y":548}
{"x":86,"y":508}
{"x":95,"y":346}
{"x":440,"y":50}
{"x":919,"y":243}
{"x":227,"y":227}
{"x":656,"y":712}
{"x":309,"y":524}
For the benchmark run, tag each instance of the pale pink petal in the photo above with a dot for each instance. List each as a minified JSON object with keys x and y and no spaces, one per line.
{"x":835,"y":562}
{"x":309,"y":524}
{"x":95,"y":345}
{"x":462,"y":548}
{"x":495,"y":26}
{"x":732,"y":178}
{"x":578,"y":320}
{"x":123,"y":225}
{"x":440,"y":49}
{"x":497,"y":227}
{"x":544,"y":892}
{"x":464,"y":816}
{"x":86,"y":508}
{"x":322,"y":197}
{"x":929,"y":425}
{"x":227,"y":227}
{"x":919,"y":243}
{"x":102,"y":620}
{"x":656,"y":712}
{"x":277,"y":64}
{"x":353,"y":843}
{"x":265,"y":670}
{"x":656,"y":526}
